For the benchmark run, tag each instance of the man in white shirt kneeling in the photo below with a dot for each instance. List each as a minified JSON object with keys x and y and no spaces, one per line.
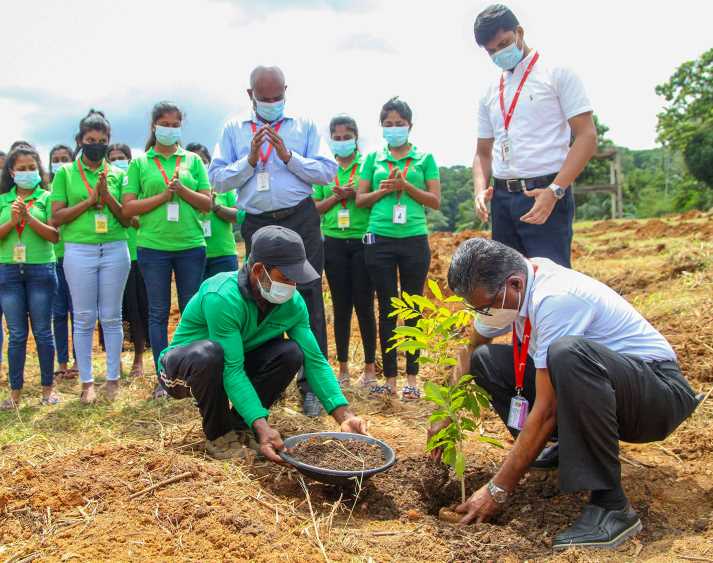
{"x":590,"y":370}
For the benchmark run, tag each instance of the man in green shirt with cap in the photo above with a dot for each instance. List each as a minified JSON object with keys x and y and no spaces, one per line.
{"x":230,"y":346}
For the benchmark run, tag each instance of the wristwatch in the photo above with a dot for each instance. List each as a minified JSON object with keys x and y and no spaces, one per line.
{"x":499,"y":495}
{"x":558,"y":191}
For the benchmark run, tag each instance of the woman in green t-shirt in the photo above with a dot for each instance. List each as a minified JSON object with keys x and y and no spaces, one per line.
{"x":221,"y":252}
{"x":343,"y":226}
{"x":135,"y":304}
{"x":168,"y":189}
{"x":62,"y":304}
{"x":27,"y":269}
{"x":85,"y":202}
{"x":397,"y":182}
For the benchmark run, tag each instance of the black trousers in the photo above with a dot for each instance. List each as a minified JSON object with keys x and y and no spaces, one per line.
{"x":394,"y":262}
{"x":351,"y":288}
{"x":197,"y":370}
{"x":552,"y":239}
{"x":305,"y":222}
{"x":602,"y":397}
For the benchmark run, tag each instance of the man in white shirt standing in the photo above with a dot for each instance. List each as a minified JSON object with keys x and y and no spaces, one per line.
{"x":590,"y":369}
{"x":526,"y":121}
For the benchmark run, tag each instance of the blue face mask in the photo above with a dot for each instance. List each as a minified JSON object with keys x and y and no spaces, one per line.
{"x":55,"y":166}
{"x":270,"y":111}
{"x":508,"y":57}
{"x":27,"y":179}
{"x":121,"y":164}
{"x":396,"y":136}
{"x":168,"y":136}
{"x":343,"y":148}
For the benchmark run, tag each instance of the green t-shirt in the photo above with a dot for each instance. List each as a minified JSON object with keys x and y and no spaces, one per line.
{"x":69,"y":188}
{"x":224,"y":311}
{"x":59,"y":247}
{"x":144,"y":180}
{"x":221,"y":241}
{"x":358,"y":216}
{"x":421,"y":169}
{"x":37,"y":249}
{"x":131,"y":233}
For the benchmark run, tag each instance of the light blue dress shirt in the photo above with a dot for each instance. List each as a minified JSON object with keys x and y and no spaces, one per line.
{"x":311,"y":163}
{"x":562,"y":302}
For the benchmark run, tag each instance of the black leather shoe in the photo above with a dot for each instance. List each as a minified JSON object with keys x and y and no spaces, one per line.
{"x":599,"y":528}
{"x":549,"y":458}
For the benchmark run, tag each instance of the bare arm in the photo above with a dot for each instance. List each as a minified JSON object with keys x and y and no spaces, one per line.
{"x":324,"y":205}
{"x":116,"y":208}
{"x":47,"y":232}
{"x":430,"y":197}
{"x":227,"y":214}
{"x":134,"y":207}
{"x":581,"y":151}
{"x":365,"y":197}
{"x":200,"y":200}
{"x":61,"y":214}
{"x":6,"y":228}
{"x":482,"y":170}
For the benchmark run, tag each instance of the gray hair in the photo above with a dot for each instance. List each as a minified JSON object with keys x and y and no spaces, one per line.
{"x":485,"y":263}
{"x":258,"y":70}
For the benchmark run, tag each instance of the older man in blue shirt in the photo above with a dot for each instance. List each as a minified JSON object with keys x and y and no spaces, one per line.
{"x":272,"y":159}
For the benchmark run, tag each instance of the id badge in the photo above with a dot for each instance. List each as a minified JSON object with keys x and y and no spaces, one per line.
{"x":101,"y":223}
{"x":519,"y":409}
{"x":343,"y":219}
{"x":506,"y":149}
{"x":19,"y":253}
{"x":263,"y":181}
{"x":399,"y":217}
{"x":207,"y":229}
{"x":172,"y":212}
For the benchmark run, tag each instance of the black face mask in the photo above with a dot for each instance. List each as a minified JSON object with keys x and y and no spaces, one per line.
{"x":94,"y":151}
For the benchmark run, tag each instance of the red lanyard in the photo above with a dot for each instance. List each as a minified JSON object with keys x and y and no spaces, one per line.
{"x":391,"y":169}
{"x":21,"y":225}
{"x":265,"y":155}
{"x":80,"y":167}
{"x":520,"y":355}
{"x":508,"y":117}
{"x":163,"y":172}
{"x":351,"y":177}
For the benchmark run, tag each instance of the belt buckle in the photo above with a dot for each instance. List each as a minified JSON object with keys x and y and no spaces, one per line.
{"x":520,"y":184}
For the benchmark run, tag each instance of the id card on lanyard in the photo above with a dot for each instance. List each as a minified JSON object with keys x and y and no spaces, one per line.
{"x":519,"y":405}
{"x":505,"y":145}
{"x":101,"y":220}
{"x":19,"y":251}
{"x":173,"y":210}
{"x":263,"y":176}
{"x":343,"y":219}
{"x":399,"y":215}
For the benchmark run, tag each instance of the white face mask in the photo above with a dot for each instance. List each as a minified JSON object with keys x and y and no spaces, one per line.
{"x":279,"y":292}
{"x":501,"y":318}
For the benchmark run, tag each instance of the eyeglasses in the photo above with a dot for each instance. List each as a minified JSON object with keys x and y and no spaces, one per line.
{"x":486,"y":309}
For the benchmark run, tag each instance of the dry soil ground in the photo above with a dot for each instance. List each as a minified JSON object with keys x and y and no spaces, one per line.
{"x":74,"y":480}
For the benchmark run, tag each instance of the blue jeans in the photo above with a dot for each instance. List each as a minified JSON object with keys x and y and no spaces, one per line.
{"x":220,"y":264}
{"x":26,"y":291}
{"x":61,"y":312}
{"x":96,"y":275}
{"x":156,"y":267}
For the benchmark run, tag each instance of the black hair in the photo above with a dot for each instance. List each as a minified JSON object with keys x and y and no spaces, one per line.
{"x":491,"y":20}
{"x":199,"y":149}
{"x":122,"y":147}
{"x":343,"y":119}
{"x":485,"y":263}
{"x":21,"y":143}
{"x":158,"y":111}
{"x":95,"y":120}
{"x":2,"y":153}
{"x":400,"y":107}
{"x":53,"y":150}
{"x":6,"y":179}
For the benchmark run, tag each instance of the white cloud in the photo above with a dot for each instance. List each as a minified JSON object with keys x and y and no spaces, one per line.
{"x":109,"y":54}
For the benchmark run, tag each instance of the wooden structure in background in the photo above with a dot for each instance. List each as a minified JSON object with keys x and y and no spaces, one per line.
{"x":614,"y":187}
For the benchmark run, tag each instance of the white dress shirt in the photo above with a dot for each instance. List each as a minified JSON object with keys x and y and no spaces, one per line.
{"x":562,"y":302}
{"x":539,"y":131}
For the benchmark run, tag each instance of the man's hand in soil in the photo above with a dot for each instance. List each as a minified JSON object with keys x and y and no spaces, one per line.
{"x":435,"y":428}
{"x":270,"y":440}
{"x":479,"y":508}
{"x":349,"y":422}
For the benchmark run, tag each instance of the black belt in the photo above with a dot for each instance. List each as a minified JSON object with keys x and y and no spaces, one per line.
{"x":280,"y":214}
{"x":522,"y":184}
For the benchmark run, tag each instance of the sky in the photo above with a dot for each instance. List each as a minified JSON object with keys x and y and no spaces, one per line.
{"x":339,"y":56}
